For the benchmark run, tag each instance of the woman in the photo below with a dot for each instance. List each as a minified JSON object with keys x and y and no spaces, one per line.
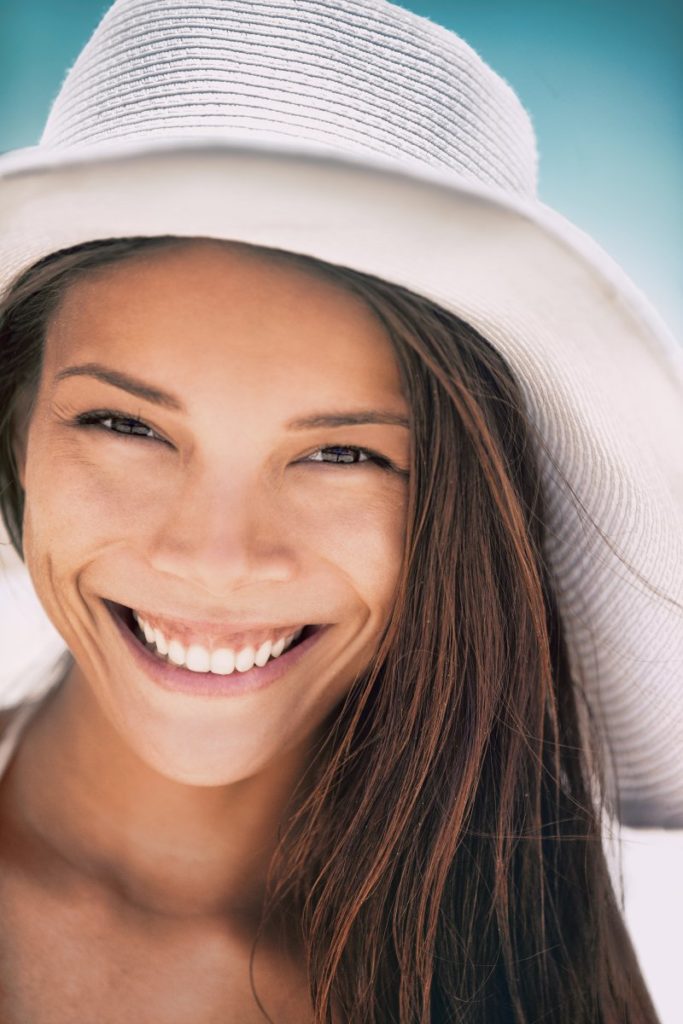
{"x":309,"y":444}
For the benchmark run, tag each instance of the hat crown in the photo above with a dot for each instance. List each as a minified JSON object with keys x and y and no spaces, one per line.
{"x":358,"y":76}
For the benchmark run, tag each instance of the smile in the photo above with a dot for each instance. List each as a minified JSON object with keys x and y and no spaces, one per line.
{"x":228,"y":672}
{"x":221,"y":660}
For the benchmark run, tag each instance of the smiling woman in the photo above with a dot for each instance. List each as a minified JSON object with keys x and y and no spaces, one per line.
{"x":215,"y":498}
{"x":365,"y":558}
{"x":214,"y":525}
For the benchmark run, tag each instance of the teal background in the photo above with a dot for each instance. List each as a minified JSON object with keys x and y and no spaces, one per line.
{"x":602,"y":80}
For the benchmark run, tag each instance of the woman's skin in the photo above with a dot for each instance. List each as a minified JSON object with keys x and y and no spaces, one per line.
{"x":166,"y":806}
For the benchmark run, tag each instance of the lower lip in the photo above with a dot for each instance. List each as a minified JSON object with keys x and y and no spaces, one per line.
{"x":209,"y":684}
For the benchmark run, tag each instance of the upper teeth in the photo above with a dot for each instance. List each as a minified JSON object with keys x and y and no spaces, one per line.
{"x":223,"y":661}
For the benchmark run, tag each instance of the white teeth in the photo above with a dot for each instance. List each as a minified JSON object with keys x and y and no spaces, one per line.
{"x":279,"y":646}
{"x":160,"y":640}
{"x":222,"y":661}
{"x":197,"y":658}
{"x":245,"y":659}
{"x":176,"y":652}
{"x":263,"y":653}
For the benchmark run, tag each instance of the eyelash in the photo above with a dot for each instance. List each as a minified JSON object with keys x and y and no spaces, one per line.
{"x":96,"y":418}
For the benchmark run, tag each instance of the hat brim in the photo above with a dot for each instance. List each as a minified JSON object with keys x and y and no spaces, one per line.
{"x":601,"y":374}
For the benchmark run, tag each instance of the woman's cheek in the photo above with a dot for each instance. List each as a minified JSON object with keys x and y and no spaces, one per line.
{"x":360,"y":529}
{"x":83,"y":496}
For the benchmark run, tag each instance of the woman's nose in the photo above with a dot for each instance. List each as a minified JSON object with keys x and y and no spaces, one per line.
{"x":222,"y":534}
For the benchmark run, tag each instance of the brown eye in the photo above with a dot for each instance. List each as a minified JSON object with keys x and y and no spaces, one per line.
{"x":352,"y":455}
{"x":132,"y":427}
{"x":345,"y":455}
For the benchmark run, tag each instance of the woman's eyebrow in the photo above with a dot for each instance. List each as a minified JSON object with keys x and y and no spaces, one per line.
{"x":125,"y":382}
{"x":347,"y":419}
{"x":157,"y":396}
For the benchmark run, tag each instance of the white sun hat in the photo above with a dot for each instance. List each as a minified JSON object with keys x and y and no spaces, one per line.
{"x":357,"y":132}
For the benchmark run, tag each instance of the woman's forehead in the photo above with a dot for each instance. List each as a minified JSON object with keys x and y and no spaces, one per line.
{"x":207,"y":311}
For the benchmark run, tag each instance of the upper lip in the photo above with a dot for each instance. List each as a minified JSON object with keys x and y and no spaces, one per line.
{"x":211,"y":632}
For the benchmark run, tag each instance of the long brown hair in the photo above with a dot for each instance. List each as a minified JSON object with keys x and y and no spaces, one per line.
{"x":445,"y":862}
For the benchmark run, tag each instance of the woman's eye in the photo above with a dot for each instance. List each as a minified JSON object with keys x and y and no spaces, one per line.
{"x":132,"y":426}
{"x":345,"y":455}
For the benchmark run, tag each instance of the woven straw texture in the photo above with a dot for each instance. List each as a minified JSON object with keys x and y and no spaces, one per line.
{"x":343,"y":74}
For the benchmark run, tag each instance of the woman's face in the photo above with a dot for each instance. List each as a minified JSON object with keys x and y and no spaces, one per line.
{"x":226,"y":513}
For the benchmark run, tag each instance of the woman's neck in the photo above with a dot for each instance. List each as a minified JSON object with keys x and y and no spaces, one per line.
{"x":170,"y":847}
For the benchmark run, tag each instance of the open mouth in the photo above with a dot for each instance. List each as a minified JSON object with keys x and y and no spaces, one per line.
{"x":220,"y":663}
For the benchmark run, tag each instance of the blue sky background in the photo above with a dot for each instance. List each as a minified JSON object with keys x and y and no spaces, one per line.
{"x":602,"y":80}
